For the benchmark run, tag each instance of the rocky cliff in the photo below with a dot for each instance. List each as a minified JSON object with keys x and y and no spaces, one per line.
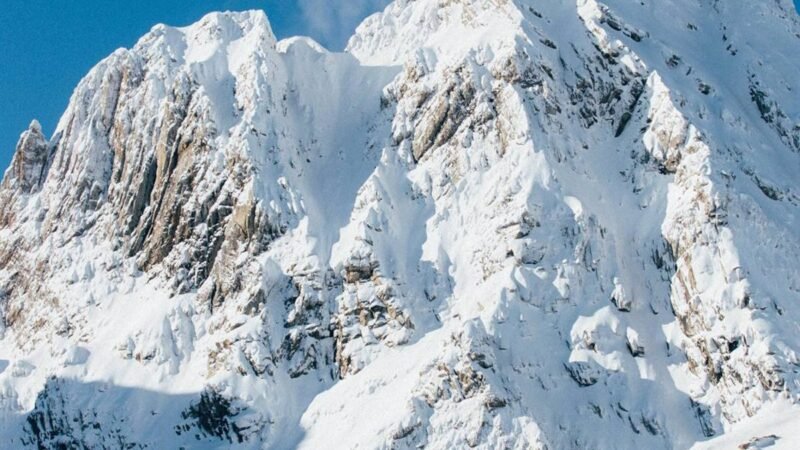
{"x":486,"y":224}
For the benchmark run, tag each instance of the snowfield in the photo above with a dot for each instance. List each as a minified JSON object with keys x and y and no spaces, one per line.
{"x":487,"y":224}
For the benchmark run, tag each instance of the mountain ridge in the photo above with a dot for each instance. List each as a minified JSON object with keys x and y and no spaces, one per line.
{"x":511,"y":222}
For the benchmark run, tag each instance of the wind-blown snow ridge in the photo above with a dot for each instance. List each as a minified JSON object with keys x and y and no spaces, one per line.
{"x":488,"y":223}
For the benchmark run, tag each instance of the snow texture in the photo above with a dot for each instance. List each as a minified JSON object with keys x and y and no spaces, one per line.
{"x":486,"y":224}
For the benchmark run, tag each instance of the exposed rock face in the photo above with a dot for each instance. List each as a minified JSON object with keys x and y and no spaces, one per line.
{"x":27,"y":171}
{"x":29,"y":166}
{"x":487,"y":224}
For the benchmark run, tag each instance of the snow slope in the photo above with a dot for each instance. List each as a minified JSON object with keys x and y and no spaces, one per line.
{"x":488,"y":223}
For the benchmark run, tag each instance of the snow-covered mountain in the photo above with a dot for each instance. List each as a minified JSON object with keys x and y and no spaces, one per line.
{"x":487,"y":224}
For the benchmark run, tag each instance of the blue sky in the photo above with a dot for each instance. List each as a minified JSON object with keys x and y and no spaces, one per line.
{"x":48,"y":45}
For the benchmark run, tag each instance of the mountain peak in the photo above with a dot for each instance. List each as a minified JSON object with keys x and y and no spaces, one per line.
{"x":231,"y":23}
{"x":29,"y":163}
{"x":35,"y":126}
{"x":446,"y":27}
{"x":488,"y":224}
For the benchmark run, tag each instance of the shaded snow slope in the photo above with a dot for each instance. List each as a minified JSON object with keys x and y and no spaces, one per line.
{"x":488,"y":223}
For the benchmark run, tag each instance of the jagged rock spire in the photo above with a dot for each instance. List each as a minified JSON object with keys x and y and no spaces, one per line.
{"x":28,"y":167}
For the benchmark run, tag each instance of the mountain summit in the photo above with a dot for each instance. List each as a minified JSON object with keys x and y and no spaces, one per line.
{"x":487,"y":224}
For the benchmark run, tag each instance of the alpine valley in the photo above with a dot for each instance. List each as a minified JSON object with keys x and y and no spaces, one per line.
{"x":493,"y":224}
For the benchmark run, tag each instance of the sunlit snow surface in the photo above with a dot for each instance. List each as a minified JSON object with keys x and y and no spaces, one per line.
{"x":492,"y":224}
